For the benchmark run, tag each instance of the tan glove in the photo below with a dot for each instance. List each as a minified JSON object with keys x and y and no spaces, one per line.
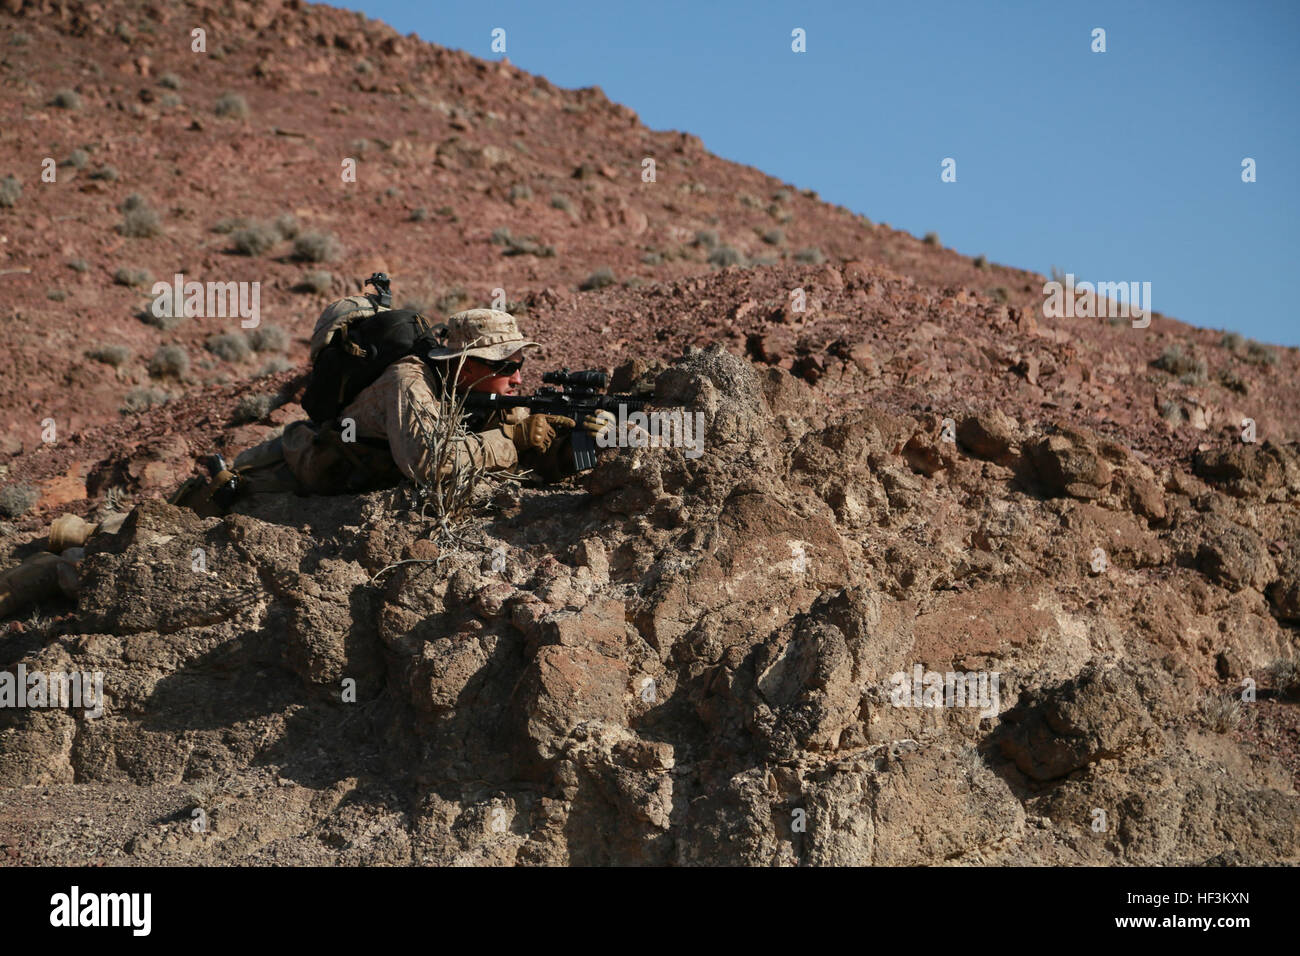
{"x":536,"y":432}
{"x":596,"y":422}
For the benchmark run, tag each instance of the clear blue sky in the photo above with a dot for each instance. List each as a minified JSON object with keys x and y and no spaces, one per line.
{"x":1123,"y":165}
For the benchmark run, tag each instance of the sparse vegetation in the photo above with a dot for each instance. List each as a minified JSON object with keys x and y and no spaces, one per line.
{"x":166,"y":322}
{"x":170,"y":361}
{"x":1189,"y":367}
{"x":77,"y":159}
{"x":774,"y":237}
{"x":142,"y":399}
{"x":170,"y":101}
{"x":108,"y":174}
{"x":17,"y":499}
{"x":1285,"y":675}
{"x":652,"y":258}
{"x":562,"y":203}
{"x":79,"y":265}
{"x":114,"y":355}
{"x":999,"y":293}
{"x":450,"y":301}
{"x":255,"y":239}
{"x":317,"y":282}
{"x":1172,"y":412}
{"x":520,"y":192}
{"x":419,"y":214}
{"x":231,"y":106}
{"x":66,"y":100}
{"x":275,"y":366}
{"x":708,"y":238}
{"x":132,"y":277}
{"x":520,"y":245}
{"x":268,"y":338}
{"x":286,"y":224}
{"x":599,"y":279}
{"x":56,"y":295}
{"x":980,"y":262}
{"x":1230,"y":380}
{"x":1232,"y":341}
{"x":228,"y":346}
{"x":811,"y":256}
{"x":170,"y":81}
{"x":1223,"y":714}
{"x":226,"y":226}
{"x":10,"y":192}
{"x":1257,"y":353}
{"x":931,"y":239}
{"x":253,"y":408}
{"x":315,"y":247}
{"x":724,"y":256}
{"x":140,"y":220}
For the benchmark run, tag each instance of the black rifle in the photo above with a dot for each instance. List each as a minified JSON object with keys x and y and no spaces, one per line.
{"x":383,"y":294}
{"x":571,"y":394}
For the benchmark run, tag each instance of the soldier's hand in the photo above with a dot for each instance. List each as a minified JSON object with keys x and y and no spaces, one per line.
{"x":536,"y":432}
{"x":597,"y":422}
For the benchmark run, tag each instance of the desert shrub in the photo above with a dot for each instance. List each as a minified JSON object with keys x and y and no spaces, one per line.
{"x":599,"y":279}
{"x":931,"y":239}
{"x":66,"y":100}
{"x":124,"y":31}
{"x":114,"y":355}
{"x":170,"y":361}
{"x":255,"y":239}
{"x":1230,"y":380}
{"x":140,"y":221}
{"x":226,"y":226}
{"x":10,"y":190}
{"x":77,"y":159}
{"x":724,"y":256}
{"x":500,"y":236}
{"x":980,"y":262}
{"x":364,"y":67}
{"x":170,"y":81}
{"x":166,"y":322}
{"x":1232,"y":341}
{"x":268,"y":338}
{"x":170,"y":101}
{"x":275,"y":366}
{"x":563,"y":203}
{"x":142,"y":399}
{"x":316,"y":282}
{"x":228,"y":346}
{"x":520,"y":191}
{"x":252,"y":408}
{"x":392,"y":192}
{"x":1172,"y":412}
{"x":315,"y":247}
{"x":419,"y":214}
{"x":79,"y":265}
{"x":750,"y":201}
{"x":528,"y":246}
{"x":708,"y":238}
{"x":231,"y":106}
{"x":56,"y":295}
{"x":1190,"y":368}
{"x":781,"y":195}
{"x":1223,"y":714}
{"x":286,"y":224}
{"x":107,"y":173}
{"x":1257,"y":353}
{"x":17,"y":499}
{"x":653,"y":258}
{"x":811,"y":256}
{"x":1285,"y":674}
{"x":774,"y":237}
{"x":999,"y":293}
{"x":132,"y":277}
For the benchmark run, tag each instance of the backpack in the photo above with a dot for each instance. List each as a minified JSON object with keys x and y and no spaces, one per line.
{"x":356,"y":351}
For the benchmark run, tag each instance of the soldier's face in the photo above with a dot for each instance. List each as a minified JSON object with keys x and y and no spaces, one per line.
{"x":479,"y":377}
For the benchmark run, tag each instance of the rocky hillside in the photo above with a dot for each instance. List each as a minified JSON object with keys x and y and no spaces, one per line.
{"x":672,"y":659}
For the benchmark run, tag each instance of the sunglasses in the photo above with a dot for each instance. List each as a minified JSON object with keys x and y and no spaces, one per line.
{"x":505,"y":367}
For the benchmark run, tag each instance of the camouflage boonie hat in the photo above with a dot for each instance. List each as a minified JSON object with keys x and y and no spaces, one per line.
{"x":482,"y":334}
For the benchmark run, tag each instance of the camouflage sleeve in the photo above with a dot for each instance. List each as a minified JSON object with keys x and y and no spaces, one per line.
{"x":412,"y":412}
